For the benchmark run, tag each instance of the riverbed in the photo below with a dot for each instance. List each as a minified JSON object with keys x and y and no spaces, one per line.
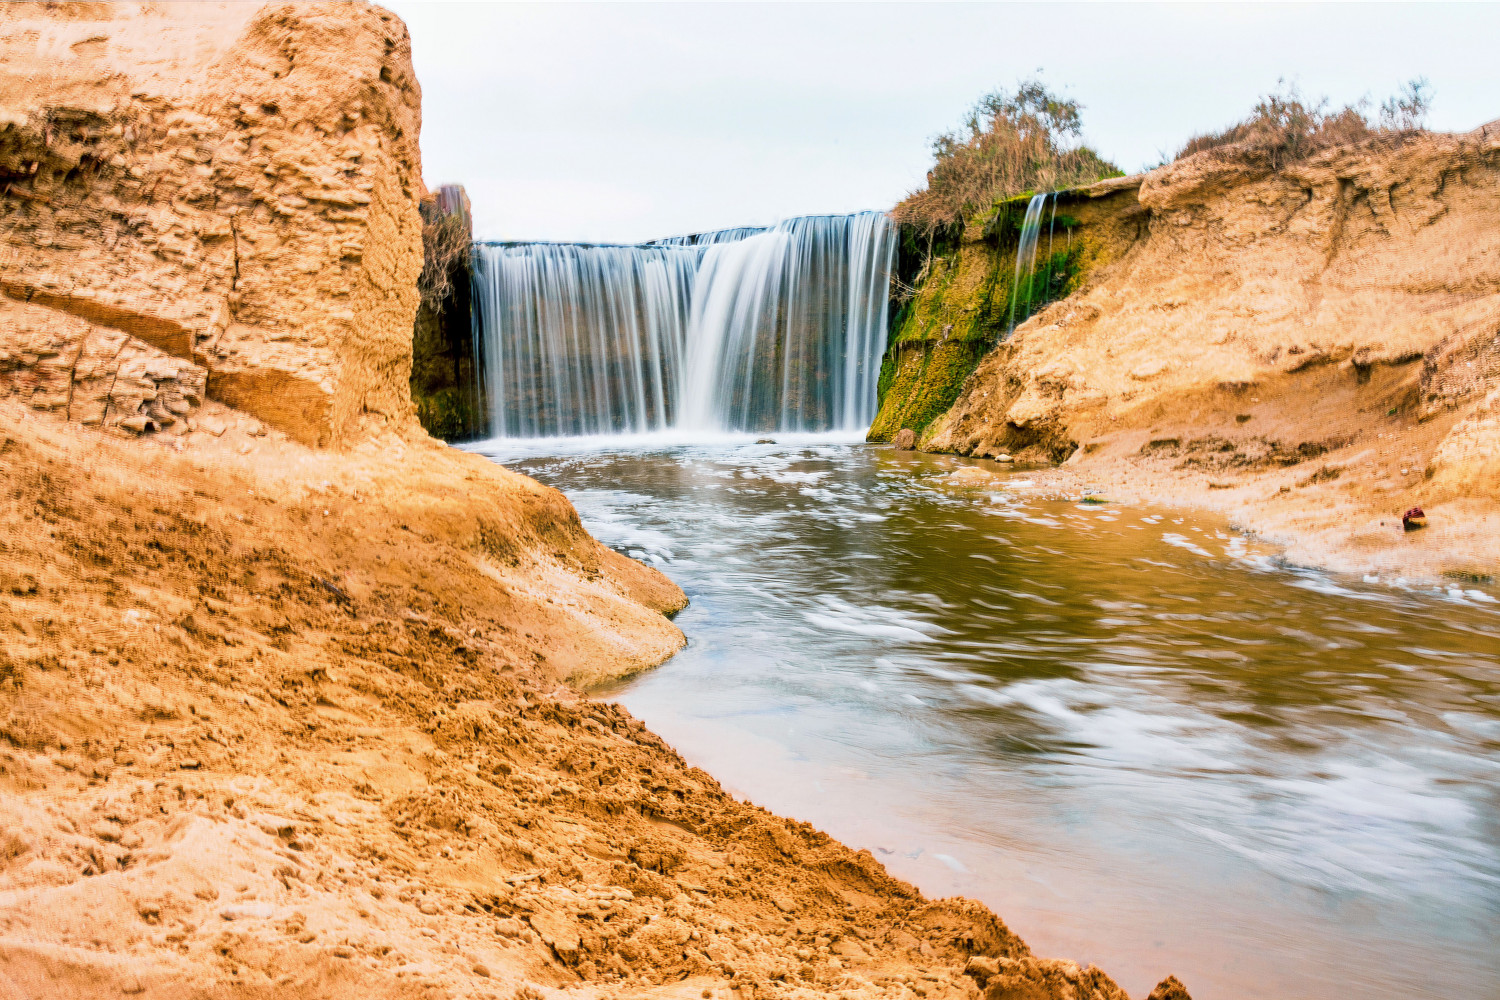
{"x":1130,"y":731}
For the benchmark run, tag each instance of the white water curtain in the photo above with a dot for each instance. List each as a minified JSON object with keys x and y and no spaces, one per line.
{"x":740,"y":330}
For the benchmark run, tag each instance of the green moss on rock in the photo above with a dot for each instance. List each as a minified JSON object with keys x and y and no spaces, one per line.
{"x":922,"y":381}
{"x":444,"y":375}
{"x":446,"y":414}
{"x":966,"y":301}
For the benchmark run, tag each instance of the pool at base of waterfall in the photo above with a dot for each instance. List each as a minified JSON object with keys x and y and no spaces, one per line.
{"x":1130,"y":732}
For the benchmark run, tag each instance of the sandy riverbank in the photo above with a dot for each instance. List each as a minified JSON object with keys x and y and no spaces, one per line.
{"x":1311,"y":521}
{"x":279,"y":722}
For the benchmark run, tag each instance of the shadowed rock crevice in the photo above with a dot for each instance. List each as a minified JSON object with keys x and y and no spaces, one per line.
{"x":446,"y":383}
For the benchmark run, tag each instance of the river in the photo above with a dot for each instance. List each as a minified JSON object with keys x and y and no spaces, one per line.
{"x":1129,"y":731}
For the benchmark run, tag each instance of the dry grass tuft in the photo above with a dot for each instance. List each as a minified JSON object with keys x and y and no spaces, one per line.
{"x":445,"y":251}
{"x":1284,"y":127}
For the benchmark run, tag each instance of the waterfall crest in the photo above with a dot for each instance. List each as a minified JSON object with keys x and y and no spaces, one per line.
{"x":751,"y":329}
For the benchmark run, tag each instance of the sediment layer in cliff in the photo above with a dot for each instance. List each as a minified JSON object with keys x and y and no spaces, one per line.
{"x":235,"y":189}
{"x":1314,"y":349}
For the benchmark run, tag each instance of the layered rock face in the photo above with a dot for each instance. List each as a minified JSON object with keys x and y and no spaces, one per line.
{"x":228,"y":186}
{"x":96,"y":375}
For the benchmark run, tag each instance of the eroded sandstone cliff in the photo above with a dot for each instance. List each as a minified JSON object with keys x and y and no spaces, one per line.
{"x":1318,"y":345}
{"x":236,"y":189}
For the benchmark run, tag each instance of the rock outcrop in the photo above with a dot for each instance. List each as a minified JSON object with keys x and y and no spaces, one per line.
{"x":235,"y":189}
{"x":96,"y":375}
{"x":1332,"y":328}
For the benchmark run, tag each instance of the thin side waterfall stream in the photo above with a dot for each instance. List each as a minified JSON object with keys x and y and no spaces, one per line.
{"x":1025,"y":277}
{"x":1137,"y":739}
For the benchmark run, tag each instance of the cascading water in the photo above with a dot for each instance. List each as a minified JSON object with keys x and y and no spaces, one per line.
{"x":1023,"y":292}
{"x":738,"y":330}
{"x":705,"y":239}
{"x":578,"y":339}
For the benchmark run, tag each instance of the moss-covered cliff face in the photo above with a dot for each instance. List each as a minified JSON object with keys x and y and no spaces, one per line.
{"x":445,"y":382}
{"x":444,"y":376}
{"x":966,"y":298}
{"x":939,"y":335}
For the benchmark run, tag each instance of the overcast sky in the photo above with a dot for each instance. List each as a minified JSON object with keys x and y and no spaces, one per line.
{"x":625,"y":122}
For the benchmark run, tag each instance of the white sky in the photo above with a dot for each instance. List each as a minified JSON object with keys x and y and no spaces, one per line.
{"x":625,"y":122}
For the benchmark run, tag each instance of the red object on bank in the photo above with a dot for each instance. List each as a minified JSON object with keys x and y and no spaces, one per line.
{"x":1414,"y":519}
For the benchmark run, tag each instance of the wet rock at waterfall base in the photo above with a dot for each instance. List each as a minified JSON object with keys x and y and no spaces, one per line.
{"x":905,"y":439}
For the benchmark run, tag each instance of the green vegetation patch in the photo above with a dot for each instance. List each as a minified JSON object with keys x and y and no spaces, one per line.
{"x":957,"y":300}
{"x":447,"y":414}
{"x":967,"y":302}
{"x":919,"y":382}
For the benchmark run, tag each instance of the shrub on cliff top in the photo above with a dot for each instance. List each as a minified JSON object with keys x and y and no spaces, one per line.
{"x":445,"y":252}
{"x":1008,"y":144}
{"x":1284,"y":127}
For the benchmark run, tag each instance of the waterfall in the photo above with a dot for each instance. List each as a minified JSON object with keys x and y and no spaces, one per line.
{"x":1031,"y":232}
{"x":750,"y":329}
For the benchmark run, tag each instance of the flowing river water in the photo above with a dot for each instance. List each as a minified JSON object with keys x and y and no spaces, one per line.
{"x":1139,"y":740}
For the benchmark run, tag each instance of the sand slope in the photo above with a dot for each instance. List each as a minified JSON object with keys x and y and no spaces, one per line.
{"x":285,"y":723}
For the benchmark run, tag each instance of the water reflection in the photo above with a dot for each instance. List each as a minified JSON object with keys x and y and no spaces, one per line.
{"x":1129,"y":731}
